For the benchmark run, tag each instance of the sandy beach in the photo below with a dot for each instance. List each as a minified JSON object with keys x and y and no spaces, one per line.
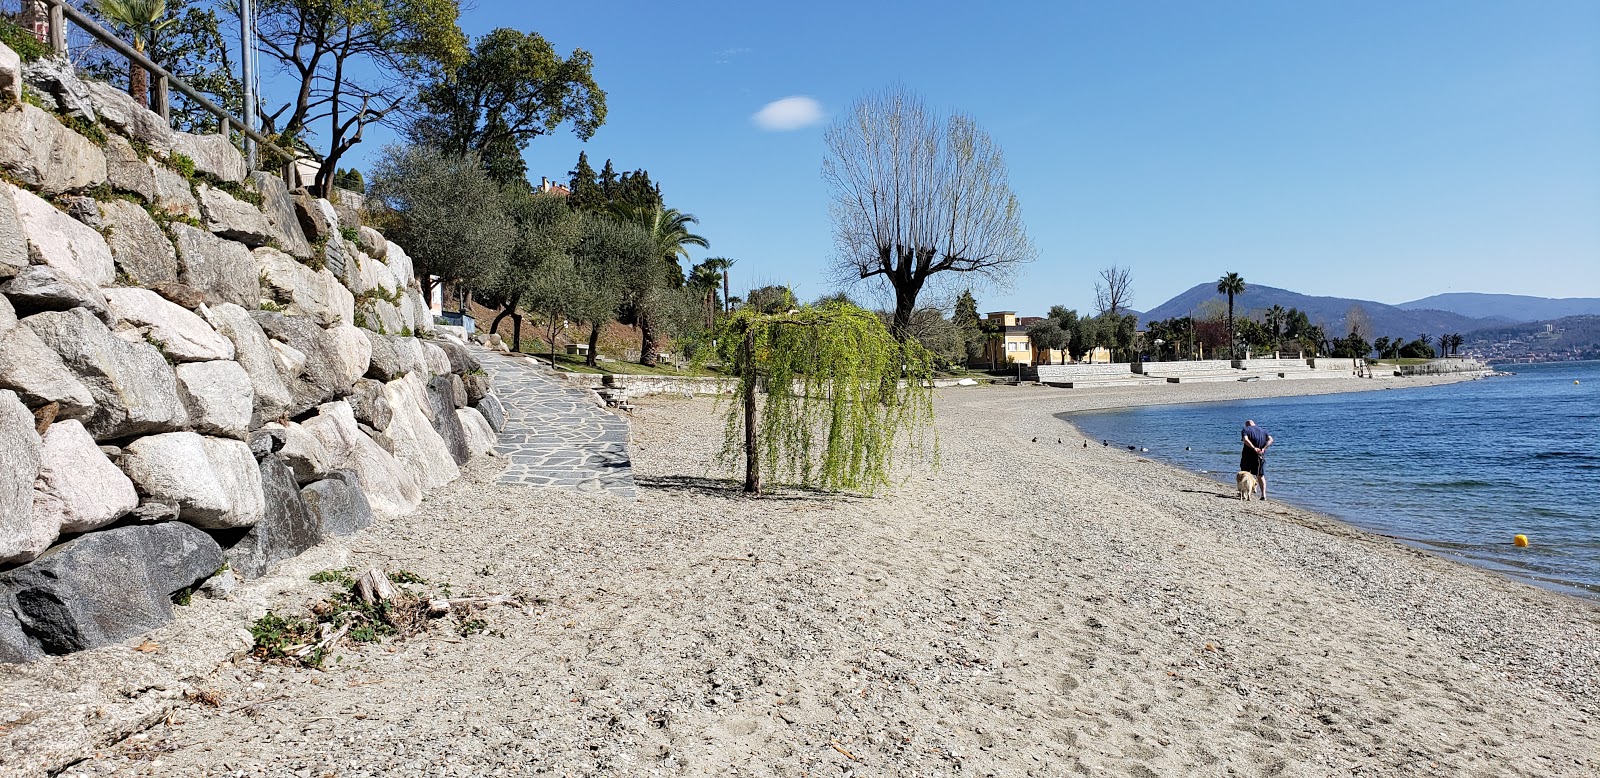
{"x":1026,"y":609}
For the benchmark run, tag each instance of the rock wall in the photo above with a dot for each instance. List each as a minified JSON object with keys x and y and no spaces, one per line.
{"x":200,"y":370}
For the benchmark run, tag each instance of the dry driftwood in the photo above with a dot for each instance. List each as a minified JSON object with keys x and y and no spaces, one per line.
{"x":374,"y":587}
{"x":441,"y":607}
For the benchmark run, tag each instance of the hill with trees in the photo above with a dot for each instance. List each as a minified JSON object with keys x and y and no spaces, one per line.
{"x":1509,"y":307}
{"x":1330,"y":313}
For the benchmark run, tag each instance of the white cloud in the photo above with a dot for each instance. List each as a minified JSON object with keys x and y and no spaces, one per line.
{"x":790,"y":113}
{"x":727,"y":55}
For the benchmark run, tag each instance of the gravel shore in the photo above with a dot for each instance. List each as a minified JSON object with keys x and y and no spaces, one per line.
{"x":1024,"y":609}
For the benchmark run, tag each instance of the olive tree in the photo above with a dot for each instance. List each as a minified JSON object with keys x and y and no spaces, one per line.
{"x":919,"y":198}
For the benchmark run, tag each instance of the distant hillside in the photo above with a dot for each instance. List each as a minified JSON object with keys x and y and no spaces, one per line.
{"x":1510,"y":307}
{"x":1570,"y":337}
{"x":1329,"y":312}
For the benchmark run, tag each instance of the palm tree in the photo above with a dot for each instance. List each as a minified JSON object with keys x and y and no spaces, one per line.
{"x":141,"y":19}
{"x":669,"y":229}
{"x":1455,"y":344}
{"x":707,"y":276}
{"x":1231,"y":284}
{"x":1275,"y":317}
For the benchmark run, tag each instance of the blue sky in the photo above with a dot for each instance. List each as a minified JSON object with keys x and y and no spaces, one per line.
{"x":1379,"y":150}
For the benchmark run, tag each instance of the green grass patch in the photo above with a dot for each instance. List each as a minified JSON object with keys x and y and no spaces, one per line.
{"x":22,"y":41}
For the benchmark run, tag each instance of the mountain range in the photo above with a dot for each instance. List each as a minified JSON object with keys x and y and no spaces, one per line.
{"x":1456,"y":312}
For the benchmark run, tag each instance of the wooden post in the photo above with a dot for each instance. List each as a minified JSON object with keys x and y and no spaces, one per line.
{"x":222,"y":126}
{"x":163,"y":98}
{"x":752,"y":458}
{"x":58,"y":29}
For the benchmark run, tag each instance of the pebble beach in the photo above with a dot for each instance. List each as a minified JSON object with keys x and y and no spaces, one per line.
{"x":1021,"y":609}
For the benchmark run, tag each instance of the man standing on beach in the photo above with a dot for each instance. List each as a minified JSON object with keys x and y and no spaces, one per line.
{"x":1253,"y":459}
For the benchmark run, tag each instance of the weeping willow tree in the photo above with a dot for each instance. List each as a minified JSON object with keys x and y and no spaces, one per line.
{"x":841,"y":394}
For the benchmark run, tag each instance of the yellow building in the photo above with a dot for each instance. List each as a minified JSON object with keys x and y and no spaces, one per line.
{"x":1008,"y":344}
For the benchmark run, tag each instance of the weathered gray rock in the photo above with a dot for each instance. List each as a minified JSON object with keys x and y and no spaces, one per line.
{"x":380,"y":316}
{"x":180,"y":334}
{"x":480,"y":437}
{"x":23,"y":535}
{"x":44,"y":288}
{"x":438,"y":361}
{"x":372,"y":243}
{"x":316,"y":217}
{"x":41,"y":152}
{"x":461,"y":360}
{"x":324,"y":375}
{"x":37,"y":373}
{"x":455,"y":389}
{"x":57,"y":78}
{"x":219,"y":397}
{"x":493,"y":412}
{"x":142,"y":252}
{"x":285,"y":530}
{"x":13,"y":242}
{"x":126,"y":171}
{"x":416,"y":315}
{"x":213,"y":155}
{"x":367,"y":401}
{"x":416,"y":439}
{"x":214,"y":481}
{"x":234,"y":219}
{"x":344,"y":259}
{"x":264,"y":441}
{"x":375,"y":279}
{"x":278,"y":205}
{"x":134,"y":389}
{"x":304,"y":453}
{"x":393,"y":356}
{"x":476,"y":385}
{"x":15,"y":645}
{"x":354,"y":350}
{"x":314,"y":293}
{"x":10,"y":77}
{"x":348,"y":214}
{"x":118,"y":109}
{"x":85,"y":209}
{"x":338,"y":503}
{"x":399,"y":263}
{"x":62,"y":242}
{"x":8,"y":314}
{"x":441,"y":394}
{"x":79,"y":489}
{"x":390,"y":487}
{"x":108,"y":586}
{"x":151,"y":511}
{"x":255,"y":354}
{"x":174,"y":193}
{"x":221,"y":269}
{"x":219,"y":586}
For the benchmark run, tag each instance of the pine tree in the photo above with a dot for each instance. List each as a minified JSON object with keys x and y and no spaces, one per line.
{"x":965,"y":319}
{"x":586,"y":194}
{"x":608,"y":182}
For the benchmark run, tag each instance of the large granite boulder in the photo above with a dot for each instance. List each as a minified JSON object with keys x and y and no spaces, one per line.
{"x":57,"y":78}
{"x":461,"y":359}
{"x":36,"y":372}
{"x":479,"y":435}
{"x":134,"y":389}
{"x":42,"y":153}
{"x":213,"y":155}
{"x":393,"y":356}
{"x":380,"y":316}
{"x":374,"y":278}
{"x":438,"y":360}
{"x":372,"y":243}
{"x":354,"y":350}
{"x":234,"y":219}
{"x":174,"y":193}
{"x":302,"y":452}
{"x":118,"y":109}
{"x":493,"y":412}
{"x":399,"y":263}
{"x":62,"y":242}
{"x":219,"y":397}
{"x":109,"y":586}
{"x":214,"y":481}
{"x":10,"y":77}
{"x":143,"y":254}
{"x":442,"y":395}
{"x":414,"y":438}
{"x":180,"y":334}
{"x":285,"y":530}
{"x":23,"y":536}
{"x":476,"y":385}
{"x":44,"y":288}
{"x":79,"y":489}
{"x":255,"y":354}
{"x":390,"y":487}
{"x":324,"y":373}
{"x":13,"y":242}
{"x":126,"y":171}
{"x":220,"y":269}
{"x":317,"y":219}
{"x":313,"y":293}
{"x":338,"y":503}
{"x":370,"y":406}
{"x":278,"y":205}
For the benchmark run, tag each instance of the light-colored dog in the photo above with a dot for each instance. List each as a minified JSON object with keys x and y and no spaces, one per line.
{"x":1247,"y":485}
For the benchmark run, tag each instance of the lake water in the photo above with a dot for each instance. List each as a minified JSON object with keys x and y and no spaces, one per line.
{"x":1459,"y":469}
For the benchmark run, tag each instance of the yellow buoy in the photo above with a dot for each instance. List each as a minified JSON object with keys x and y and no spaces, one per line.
{"x":1520,"y":541}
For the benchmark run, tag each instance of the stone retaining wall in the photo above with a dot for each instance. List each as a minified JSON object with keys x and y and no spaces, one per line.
{"x":201,"y":372}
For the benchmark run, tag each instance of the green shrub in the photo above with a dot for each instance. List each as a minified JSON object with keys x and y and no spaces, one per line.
{"x":350,"y":233}
{"x":183,"y":164}
{"x":22,"y":41}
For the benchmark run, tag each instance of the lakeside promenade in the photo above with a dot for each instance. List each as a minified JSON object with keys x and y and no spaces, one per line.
{"x":1025,"y":609}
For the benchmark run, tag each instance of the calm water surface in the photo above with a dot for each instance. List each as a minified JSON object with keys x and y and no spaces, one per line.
{"x":1459,"y":469}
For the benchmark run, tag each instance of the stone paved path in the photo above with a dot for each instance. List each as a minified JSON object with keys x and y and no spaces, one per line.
{"x":554,"y":435}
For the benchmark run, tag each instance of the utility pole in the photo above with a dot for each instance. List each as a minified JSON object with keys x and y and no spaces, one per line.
{"x":247,"y":63}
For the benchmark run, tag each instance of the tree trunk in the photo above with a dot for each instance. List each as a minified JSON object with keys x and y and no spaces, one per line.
{"x":752,"y":459}
{"x":516,"y":332}
{"x":594,"y":344}
{"x":647,"y":341}
{"x":727,"y":304}
{"x":511,"y":307}
{"x":139,"y":83}
{"x":905,"y":303}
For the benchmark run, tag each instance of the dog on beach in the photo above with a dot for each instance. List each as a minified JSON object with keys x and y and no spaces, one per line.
{"x":1247,"y":485}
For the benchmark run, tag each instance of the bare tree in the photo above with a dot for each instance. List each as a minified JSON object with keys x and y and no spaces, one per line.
{"x":1358,"y":322}
{"x":917,"y":195}
{"x":1114,"y":291}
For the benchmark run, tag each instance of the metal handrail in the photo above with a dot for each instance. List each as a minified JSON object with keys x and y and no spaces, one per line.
{"x":60,"y":11}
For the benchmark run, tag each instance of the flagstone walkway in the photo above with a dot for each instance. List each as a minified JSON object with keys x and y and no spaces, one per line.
{"x":554,"y":434}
